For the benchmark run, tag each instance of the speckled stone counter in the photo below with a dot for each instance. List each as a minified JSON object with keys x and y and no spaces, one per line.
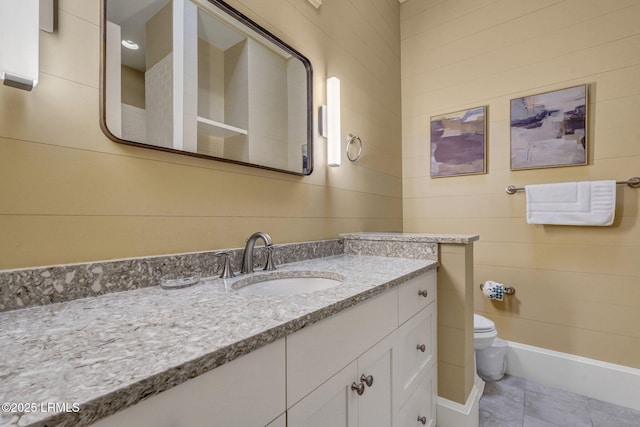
{"x":99,"y":355}
{"x":401,"y":245}
{"x":412,"y":237}
{"x":29,"y":287}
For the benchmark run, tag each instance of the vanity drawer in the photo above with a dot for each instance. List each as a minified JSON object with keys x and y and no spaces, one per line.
{"x":417,"y":350}
{"x":416,"y":294}
{"x":420,"y":408}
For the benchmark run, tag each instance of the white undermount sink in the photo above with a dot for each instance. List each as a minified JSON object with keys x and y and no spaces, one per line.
{"x":280,"y":283}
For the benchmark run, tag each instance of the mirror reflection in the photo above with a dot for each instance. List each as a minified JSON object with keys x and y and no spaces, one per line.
{"x":199,"y":78}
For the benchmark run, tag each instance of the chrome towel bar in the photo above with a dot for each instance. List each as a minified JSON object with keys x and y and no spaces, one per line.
{"x":633,"y":182}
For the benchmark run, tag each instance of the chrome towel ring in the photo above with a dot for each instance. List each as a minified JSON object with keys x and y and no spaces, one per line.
{"x":351,"y":139}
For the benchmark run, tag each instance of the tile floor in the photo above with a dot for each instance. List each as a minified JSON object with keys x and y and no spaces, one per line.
{"x":517,"y":402}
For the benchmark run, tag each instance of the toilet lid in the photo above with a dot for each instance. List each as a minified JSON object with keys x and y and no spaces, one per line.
{"x":481,"y":323}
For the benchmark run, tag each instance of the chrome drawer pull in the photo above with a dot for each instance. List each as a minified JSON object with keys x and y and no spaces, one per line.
{"x":423,"y":293}
{"x":359,"y":388}
{"x":367,"y":379}
{"x":423,"y":420}
{"x":421,"y":347}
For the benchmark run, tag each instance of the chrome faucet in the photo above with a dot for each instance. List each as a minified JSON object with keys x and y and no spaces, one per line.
{"x":247,"y":258}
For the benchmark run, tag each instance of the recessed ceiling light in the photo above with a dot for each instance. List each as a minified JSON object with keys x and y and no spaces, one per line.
{"x":129,"y":44}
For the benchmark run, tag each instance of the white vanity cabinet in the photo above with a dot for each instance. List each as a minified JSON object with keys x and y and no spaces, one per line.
{"x":390,"y":339}
{"x":248,"y":391}
{"x":415,"y":387}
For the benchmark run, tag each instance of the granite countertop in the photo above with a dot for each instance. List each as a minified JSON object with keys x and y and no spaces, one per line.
{"x":413,"y":237}
{"x":95,"y":356}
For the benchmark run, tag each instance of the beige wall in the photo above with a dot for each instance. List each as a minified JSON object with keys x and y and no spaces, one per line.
{"x":69,"y":194}
{"x":132,"y":87}
{"x":456,"y":369}
{"x":159,"y":36}
{"x":268,"y":106}
{"x":578,"y":288}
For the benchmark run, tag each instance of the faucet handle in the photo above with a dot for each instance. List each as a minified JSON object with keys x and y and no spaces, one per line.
{"x":270,"y":265}
{"x":227,"y":272}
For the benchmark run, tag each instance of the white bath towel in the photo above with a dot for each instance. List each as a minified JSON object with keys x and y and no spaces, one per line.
{"x":572,"y":203}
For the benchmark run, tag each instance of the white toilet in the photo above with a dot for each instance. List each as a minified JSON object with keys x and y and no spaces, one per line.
{"x":490,"y":351}
{"x":484,"y":332}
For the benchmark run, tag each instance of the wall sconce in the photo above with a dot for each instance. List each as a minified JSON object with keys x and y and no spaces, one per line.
{"x":333,"y":122}
{"x":20,"y":22}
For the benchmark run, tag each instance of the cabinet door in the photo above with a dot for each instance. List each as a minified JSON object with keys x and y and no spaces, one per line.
{"x":317,"y":352}
{"x":332,"y":404}
{"x":375,"y":404}
{"x":336,"y":404}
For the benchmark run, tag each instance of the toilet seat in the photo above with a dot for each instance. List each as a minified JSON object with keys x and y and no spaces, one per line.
{"x":482,"y":324}
{"x":484,"y":332}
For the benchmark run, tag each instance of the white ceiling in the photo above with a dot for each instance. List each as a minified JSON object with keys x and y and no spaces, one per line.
{"x":132,"y":17}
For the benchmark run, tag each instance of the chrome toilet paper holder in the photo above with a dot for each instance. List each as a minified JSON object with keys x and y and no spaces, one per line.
{"x":508,"y":290}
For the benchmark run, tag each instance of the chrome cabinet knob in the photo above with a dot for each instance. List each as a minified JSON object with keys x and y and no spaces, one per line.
{"x":367,"y":379}
{"x":423,"y":293}
{"x":421,"y":347}
{"x":359,"y":388}
{"x":422,"y":420}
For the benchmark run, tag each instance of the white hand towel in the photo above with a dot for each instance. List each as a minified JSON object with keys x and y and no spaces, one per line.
{"x":572,"y":203}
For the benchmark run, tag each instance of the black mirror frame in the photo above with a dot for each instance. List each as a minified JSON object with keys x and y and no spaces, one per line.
{"x":251,"y":25}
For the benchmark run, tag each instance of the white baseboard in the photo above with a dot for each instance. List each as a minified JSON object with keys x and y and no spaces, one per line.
{"x":612,"y":383}
{"x":453,"y":414}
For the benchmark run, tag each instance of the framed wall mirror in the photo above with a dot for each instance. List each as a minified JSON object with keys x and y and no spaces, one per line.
{"x":199,"y":78}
